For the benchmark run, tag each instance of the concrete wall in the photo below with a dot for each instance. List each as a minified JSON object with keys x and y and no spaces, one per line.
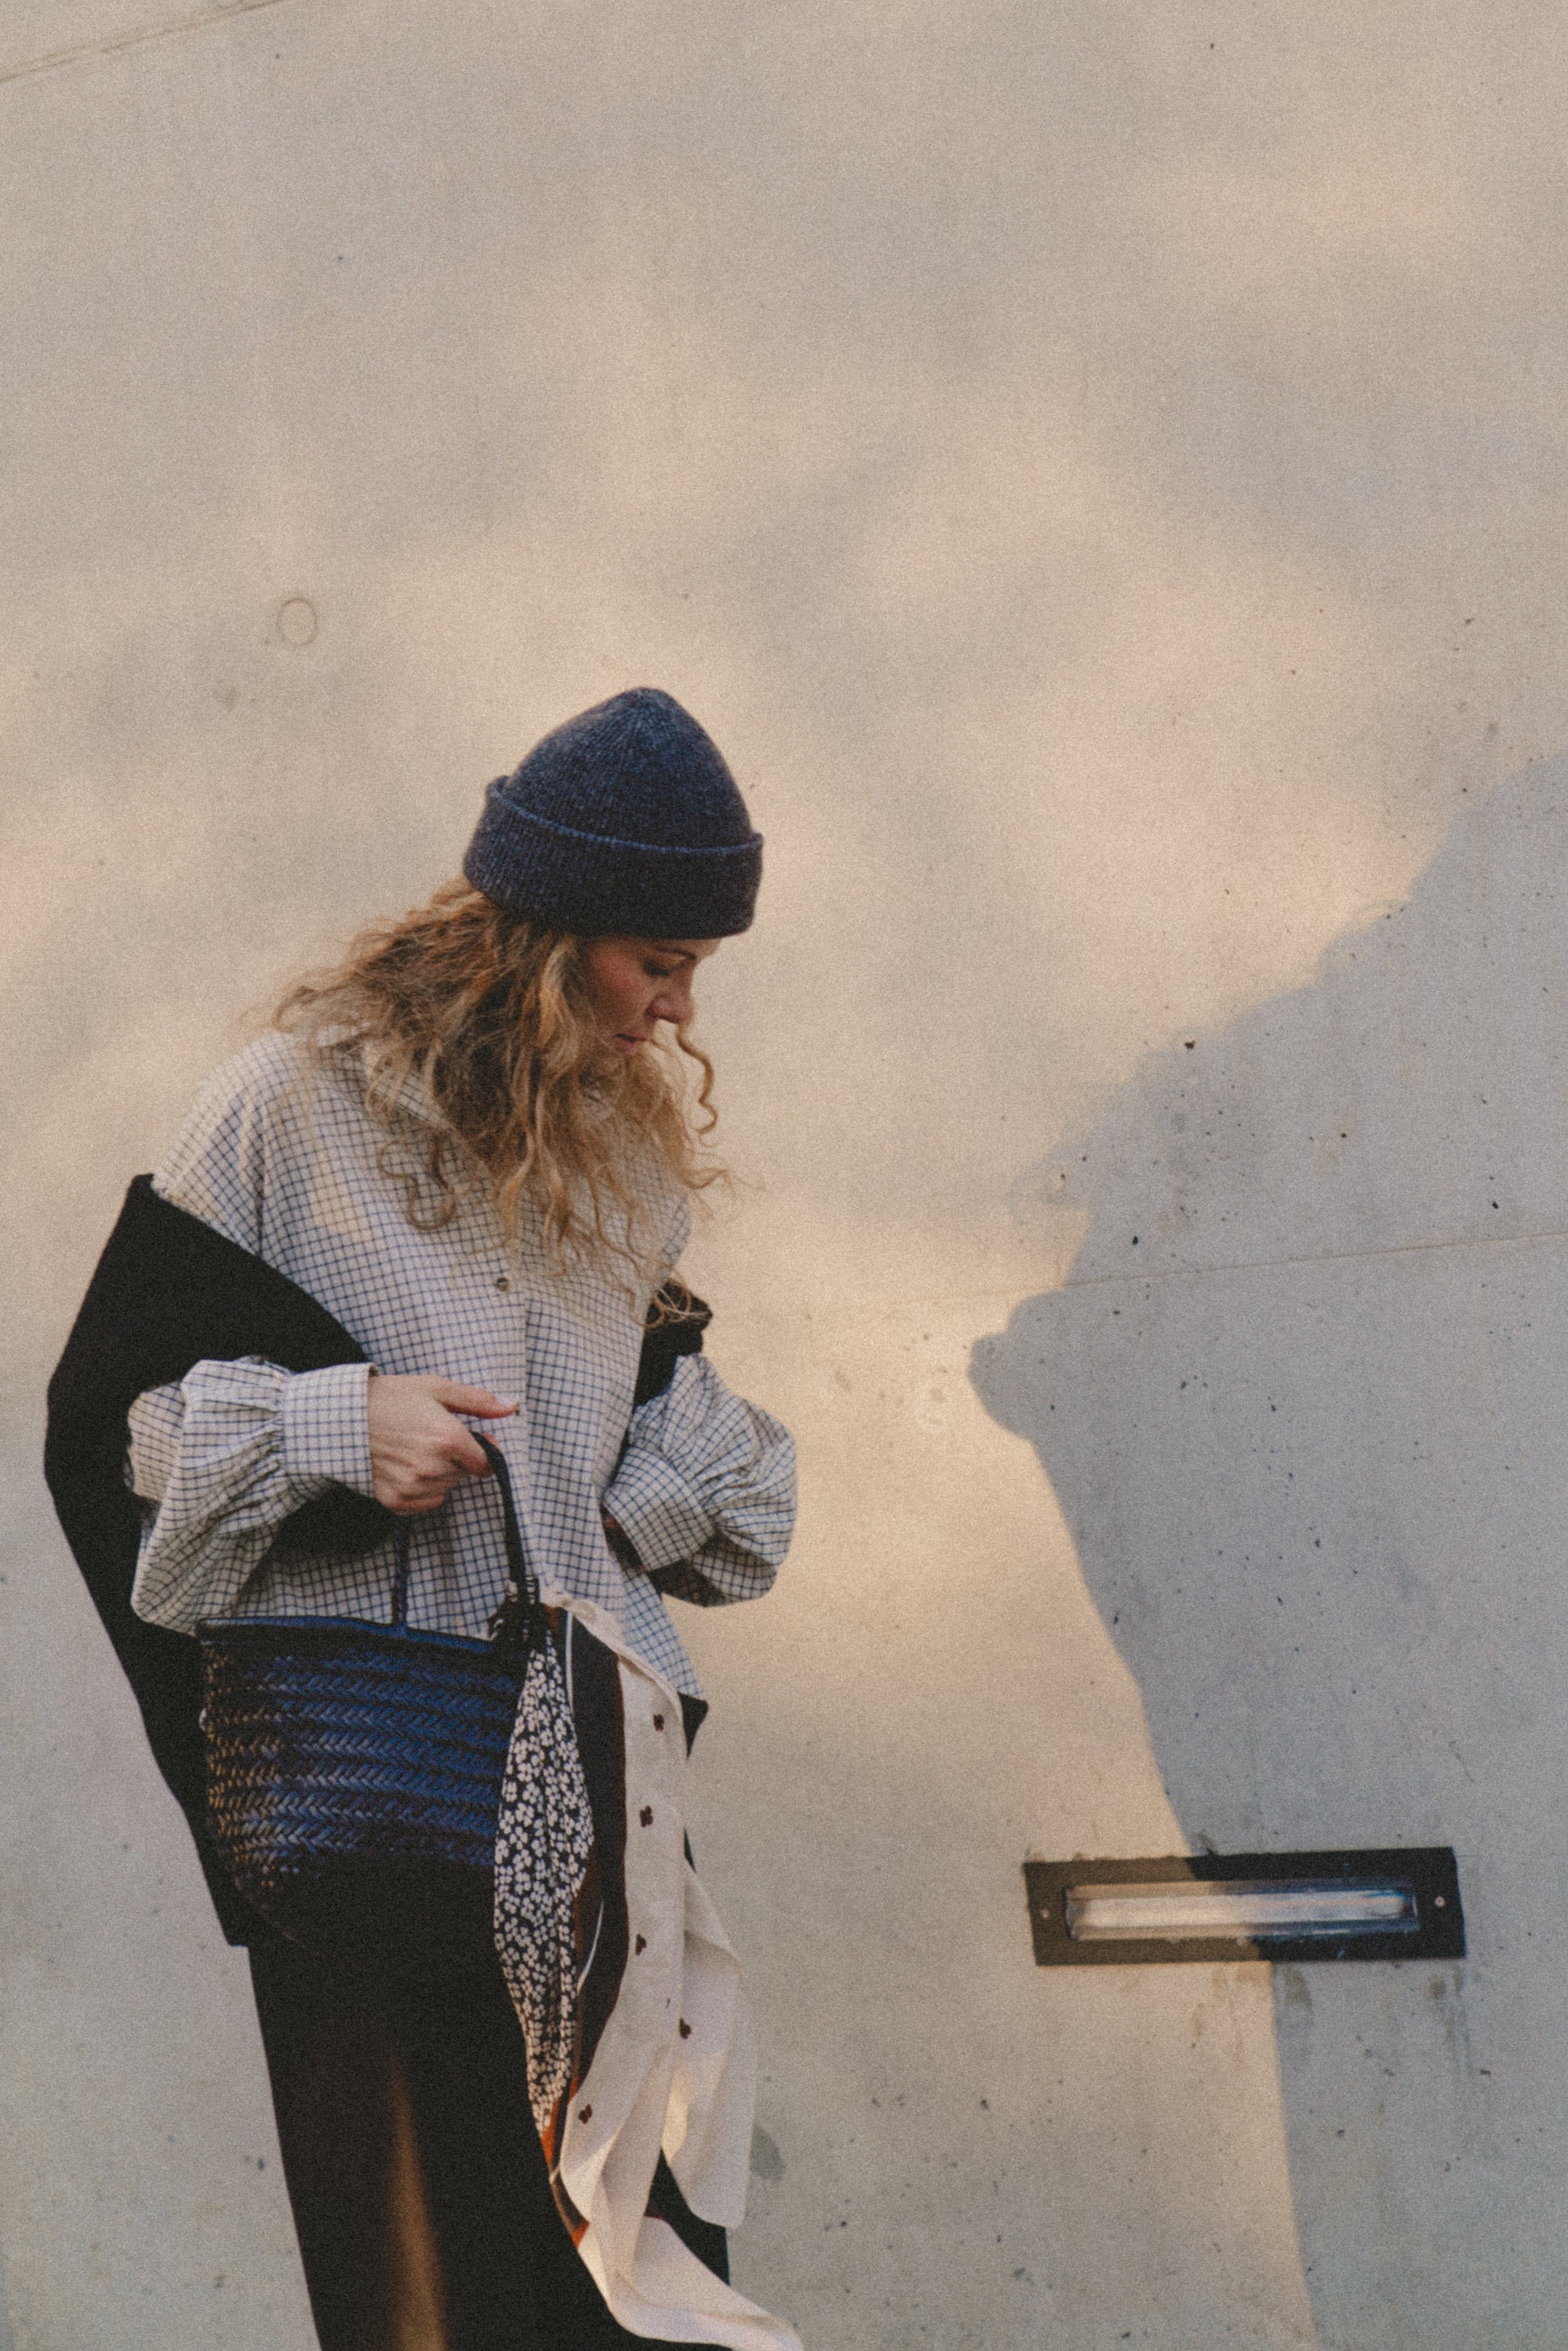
{"x":1301,"y":1401}
{"x":1098,"y":472}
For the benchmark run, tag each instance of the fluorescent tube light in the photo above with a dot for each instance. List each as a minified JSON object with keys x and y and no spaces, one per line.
{"x":1245,"y":1908}
{"x":1391,"y":1902}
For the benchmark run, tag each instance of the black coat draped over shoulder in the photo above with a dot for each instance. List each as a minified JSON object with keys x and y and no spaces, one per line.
{"x":169,"y":1292}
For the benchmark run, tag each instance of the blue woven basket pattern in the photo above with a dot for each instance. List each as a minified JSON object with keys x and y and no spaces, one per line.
{"x":332,"y":1746}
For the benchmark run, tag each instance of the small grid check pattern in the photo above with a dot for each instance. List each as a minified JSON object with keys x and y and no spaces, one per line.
{"x":284,"y":1162}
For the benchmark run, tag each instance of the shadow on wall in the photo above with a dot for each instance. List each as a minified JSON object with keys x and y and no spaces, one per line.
{"x":1302,"y":1400}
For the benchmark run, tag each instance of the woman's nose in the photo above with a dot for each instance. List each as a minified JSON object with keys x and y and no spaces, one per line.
{"x":674,"y":1002}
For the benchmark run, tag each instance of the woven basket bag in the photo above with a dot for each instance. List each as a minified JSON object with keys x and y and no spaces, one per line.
{"x":354,"y":1769}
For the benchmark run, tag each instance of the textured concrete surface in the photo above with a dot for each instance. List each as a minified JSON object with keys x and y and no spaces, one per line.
{"x":1099,"y":474}
{"x":1311,"y":1454}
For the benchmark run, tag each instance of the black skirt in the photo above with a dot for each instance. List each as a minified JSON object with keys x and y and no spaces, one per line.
{"x":419,"y":2189}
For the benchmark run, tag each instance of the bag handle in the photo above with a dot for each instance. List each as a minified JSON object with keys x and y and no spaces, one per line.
{"x":519,"y":1606}
{"x":522,"y":1583}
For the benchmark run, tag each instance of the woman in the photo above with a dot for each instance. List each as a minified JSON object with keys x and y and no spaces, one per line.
{"x":469,"y":1144}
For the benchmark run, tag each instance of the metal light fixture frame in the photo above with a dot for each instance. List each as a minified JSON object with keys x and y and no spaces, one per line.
{"x":1429,"y":1871}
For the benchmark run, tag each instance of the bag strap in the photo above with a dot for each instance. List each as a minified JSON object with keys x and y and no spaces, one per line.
{"x":519,"y":1607}
{"x":522,"y":1583}
{"x":400,"y":1573}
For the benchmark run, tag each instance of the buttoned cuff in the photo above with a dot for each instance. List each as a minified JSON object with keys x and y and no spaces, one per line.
{"x":658,"y":1509}
{"x":325,"y":1428}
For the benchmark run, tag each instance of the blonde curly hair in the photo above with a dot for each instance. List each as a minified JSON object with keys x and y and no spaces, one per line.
{"x":490,"y":1018}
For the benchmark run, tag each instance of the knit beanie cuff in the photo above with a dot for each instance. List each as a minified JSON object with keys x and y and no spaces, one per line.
{"x":596,"y":885}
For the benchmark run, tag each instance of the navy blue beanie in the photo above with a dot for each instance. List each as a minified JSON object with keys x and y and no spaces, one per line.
{"x":625,"y":820}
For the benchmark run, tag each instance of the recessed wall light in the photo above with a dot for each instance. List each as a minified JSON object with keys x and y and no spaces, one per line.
{"x":1380,"y":1903}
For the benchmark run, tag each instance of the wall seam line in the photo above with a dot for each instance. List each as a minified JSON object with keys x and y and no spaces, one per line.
{"x":1323,"y":1257}
{"x":139,"y":38}
{"x":1236,"y":1265}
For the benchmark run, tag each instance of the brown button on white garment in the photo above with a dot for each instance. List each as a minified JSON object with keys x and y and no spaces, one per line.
{"x":673,"y":2070}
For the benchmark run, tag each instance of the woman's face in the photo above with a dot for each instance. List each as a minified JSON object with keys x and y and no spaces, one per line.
{"x":634,"y":984}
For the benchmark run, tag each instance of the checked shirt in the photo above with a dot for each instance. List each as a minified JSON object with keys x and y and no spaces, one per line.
{"x":284,"y":1161}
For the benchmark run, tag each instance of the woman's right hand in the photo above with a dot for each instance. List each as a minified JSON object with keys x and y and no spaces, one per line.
{"x":419,"y":1449}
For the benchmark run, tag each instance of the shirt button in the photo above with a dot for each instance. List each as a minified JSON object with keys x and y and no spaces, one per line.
{"x":503,"y":1282}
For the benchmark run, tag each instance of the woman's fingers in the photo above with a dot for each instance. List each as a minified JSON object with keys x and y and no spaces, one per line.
{"x":417,"y":1489}
{"x":456,"y":1445}
{"x":419,"y":1449}
{"x":480,"y":1404}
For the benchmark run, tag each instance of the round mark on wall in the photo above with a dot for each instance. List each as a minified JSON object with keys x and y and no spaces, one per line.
{"x":297,"y":621}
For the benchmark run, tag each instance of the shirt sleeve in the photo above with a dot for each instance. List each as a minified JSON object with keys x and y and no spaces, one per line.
{"x":220,"y":1460}
{"x":705,"y":1489}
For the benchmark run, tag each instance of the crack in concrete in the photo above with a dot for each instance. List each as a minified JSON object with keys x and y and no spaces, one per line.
{"x":1319,"y":1257}
{"x":938,"y":1298}
{"x":138,"y":37}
